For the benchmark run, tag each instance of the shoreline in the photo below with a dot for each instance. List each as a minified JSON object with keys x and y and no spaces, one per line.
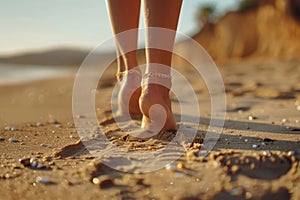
{"x":21,"y":74}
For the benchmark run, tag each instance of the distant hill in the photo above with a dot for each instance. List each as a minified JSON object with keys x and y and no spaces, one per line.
{"x":53,"y":57}
{"x":270,"y":30}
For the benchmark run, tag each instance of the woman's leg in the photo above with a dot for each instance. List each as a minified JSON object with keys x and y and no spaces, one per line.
{"x":124,"y":16}
{"x":160,"y":14}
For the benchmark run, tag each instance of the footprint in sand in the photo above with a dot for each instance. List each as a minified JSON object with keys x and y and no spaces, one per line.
{"x":265,"y":167}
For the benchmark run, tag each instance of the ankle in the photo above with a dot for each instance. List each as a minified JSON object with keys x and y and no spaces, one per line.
{"x":155,"y":91}
{"x":158,"y":82}
{"x":134,"y":73}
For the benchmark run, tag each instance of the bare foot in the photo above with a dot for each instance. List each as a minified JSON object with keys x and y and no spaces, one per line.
{"x":127,"y":98}
{"x":129,"y":94}
{"x":155,"y":105}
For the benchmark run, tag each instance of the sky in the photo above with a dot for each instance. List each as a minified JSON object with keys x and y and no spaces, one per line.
{"x":30,"y":25}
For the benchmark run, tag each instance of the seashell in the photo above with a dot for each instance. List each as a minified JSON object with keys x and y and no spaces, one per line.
{"x":12,"y":139}
{"x":44,"y":180}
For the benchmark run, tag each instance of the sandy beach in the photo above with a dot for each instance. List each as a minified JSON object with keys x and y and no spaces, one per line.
{"x":44,"y":154}
{"x":256,"y":157}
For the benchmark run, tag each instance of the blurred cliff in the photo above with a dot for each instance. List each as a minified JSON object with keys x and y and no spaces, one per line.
{"x":261,"y":29}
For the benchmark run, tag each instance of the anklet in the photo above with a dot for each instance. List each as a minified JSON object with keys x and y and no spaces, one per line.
{"x":157,"y":78}
{"x":157,"y":74}
{"x":120,"y":75}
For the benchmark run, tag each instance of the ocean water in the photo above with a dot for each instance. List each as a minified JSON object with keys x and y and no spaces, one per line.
{"x":16,"y":73}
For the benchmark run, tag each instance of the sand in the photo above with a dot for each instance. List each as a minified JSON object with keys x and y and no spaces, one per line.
{"x":256,"y":157}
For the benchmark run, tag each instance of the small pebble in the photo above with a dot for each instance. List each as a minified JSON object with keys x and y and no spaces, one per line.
{"x":236,"y":192}
{"x":2,"y":139}
{"x":255,"y":146}
{"x":12,"y":139}
{"x":96,"y":181}
{"x":180,"y":165}
{"x":284,"y":120}
{"x":230,"y":152}
{"x":152,"y":147}
{"x":29,"y":125}
{"x":291,"y":153}
{"x":235,"y":169}
{"x":247,"y":161}
{"x":25,"y":161}
{"x":228,"y":162}
{"x":171,"y":167}
{"x":252,"y":166}
{"x":248,"y":195}
{"x":250,"y":117}
{"x":53,"y":121}
{"x":7,"y":176}
{"x":10,"y":128}
{"x":103,"y":181}
{"x":179,"y":174}
{"x":39,"y":124}
{"x":58,"y":125}
{"x":267,"y":153}
{"x":246,"y":140}
{"x":43,"y":145}
{"x":44,"y":180}
{"x":272,"y":159}
{"x":33,"y":162}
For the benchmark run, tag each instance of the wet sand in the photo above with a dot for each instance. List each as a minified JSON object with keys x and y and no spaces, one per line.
{"x":256,"y":157}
